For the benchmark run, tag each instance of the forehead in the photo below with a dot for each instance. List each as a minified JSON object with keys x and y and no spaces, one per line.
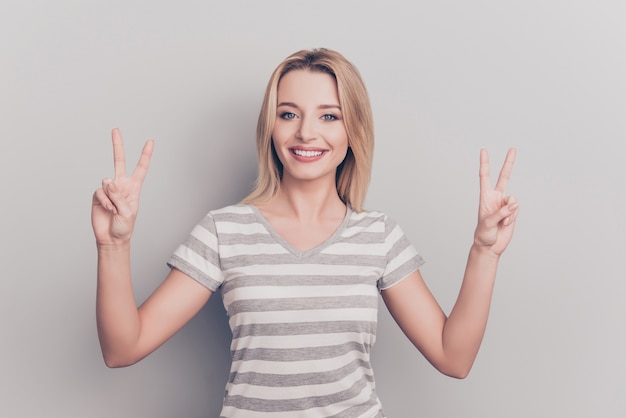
{"x":305,"y":86}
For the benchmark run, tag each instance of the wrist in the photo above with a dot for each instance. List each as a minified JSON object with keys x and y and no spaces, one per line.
{"x":113,"y":247}
{"x":484,"y":251}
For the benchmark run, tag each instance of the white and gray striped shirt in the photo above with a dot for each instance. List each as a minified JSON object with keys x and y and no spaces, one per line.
{"x":303,"y":322}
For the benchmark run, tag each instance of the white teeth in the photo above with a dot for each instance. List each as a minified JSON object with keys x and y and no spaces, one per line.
{"x":303,"y":153}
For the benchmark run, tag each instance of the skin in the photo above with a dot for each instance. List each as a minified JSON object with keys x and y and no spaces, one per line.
{"x":305,"y":212}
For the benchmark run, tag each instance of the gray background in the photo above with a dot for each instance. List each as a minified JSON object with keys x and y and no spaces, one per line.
{"x":445,"y":79}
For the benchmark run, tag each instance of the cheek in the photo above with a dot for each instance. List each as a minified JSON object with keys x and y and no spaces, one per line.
{"x":279,"y":135}
{"x":276,"y":150}
{"x":341,"y":139}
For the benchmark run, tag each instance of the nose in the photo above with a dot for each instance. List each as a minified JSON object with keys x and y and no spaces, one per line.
{"x":306,"y":130}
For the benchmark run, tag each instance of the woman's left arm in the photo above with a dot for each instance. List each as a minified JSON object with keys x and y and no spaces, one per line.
{"x":451,"y":343}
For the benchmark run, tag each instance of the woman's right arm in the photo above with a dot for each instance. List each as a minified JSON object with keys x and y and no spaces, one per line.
{"x":127,"y":333}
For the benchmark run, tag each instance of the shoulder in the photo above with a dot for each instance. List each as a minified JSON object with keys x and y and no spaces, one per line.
{"x":237,"y":213}
{"x":372,"y":217}
{"x":236,"y":209}
{"x":240,"y":218}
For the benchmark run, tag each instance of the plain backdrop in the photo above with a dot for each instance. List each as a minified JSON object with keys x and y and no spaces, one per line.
{"x":445,"y":79}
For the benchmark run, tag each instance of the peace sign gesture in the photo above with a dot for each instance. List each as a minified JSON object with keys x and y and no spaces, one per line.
{"x":115,"y":204}
{"x":497,"y":212}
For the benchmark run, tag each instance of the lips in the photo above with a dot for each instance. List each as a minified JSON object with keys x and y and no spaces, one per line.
{"x":302,"y":154}
{"x":307,"y":153}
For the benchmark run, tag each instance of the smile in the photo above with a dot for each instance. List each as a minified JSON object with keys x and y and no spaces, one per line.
{"x":303,"y":153}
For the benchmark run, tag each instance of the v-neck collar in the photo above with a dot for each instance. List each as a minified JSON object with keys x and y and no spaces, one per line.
{"x":293,"y":250}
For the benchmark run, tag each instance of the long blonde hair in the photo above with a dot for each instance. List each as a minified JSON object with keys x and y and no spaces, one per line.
{"x":353,"y":174}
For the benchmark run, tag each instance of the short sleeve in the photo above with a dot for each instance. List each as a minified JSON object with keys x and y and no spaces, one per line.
{"x":401,"y":257}
{"x":198,"y":255}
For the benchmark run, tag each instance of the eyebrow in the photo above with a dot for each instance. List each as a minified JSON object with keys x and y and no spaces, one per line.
{"x":324,"y":106}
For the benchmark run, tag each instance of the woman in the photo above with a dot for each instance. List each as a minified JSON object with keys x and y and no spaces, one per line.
{"x":299,"y":262}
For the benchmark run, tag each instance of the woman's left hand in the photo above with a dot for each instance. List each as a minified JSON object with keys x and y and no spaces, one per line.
{"x":497,"y":212}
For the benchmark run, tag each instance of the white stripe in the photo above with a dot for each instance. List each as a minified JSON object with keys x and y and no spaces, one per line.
{"x":325,"y":411}
{"x":400,"y":259}
{"x":199,"y":263}
{"x":302,"y":341}
{"x":365,"y":214}
{"x":292,"y":317}
{"x":306,"y":366}
{"x":205,"y":236}
{"x":349,"y":248}
{"x":251,"y":249}
{"x":293,"y":291}
{"x":225,"y":227}
{"x":301,"y":269}
{"x":353,"y":230}
{"x":395,"y":235}
{"x":295,"y":392}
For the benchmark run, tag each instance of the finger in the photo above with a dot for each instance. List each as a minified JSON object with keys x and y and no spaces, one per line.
{"x":505,"y":172}
{"x":498,"y":217}
{"x":510,"y":219}
{"x":118,"y":200}
{"x":485,"y":181}
{"x":144,"y":161}
{"x":106,"y":182}
{"x":510,"y":201}
{"x":513,"y":206}
{"x":119,"y":159}
{"x":100,"y":199}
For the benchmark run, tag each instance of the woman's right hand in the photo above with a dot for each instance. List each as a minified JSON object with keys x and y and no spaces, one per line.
{"x":115,"y":204}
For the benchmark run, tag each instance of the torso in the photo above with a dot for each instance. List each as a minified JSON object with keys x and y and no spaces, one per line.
{"x":303,"y":322}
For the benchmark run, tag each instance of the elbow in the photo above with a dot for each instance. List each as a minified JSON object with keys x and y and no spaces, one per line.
{"x":456,"y":371}
{"x":457,"y":374}
{"x":112,"y":364}
{"x":116,"y":362}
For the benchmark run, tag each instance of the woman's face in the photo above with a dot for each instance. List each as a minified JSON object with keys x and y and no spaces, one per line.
{"x":309,"y":134}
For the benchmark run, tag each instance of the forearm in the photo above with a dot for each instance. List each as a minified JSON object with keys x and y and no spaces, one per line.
{"x":116,"y":309}
{"x":465,"y":327}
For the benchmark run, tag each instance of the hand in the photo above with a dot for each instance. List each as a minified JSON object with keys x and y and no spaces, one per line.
{"x":497,"y":212}
{"x":115,"y":204}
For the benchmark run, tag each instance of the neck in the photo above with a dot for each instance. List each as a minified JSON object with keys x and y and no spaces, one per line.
{"x":307,"y":201}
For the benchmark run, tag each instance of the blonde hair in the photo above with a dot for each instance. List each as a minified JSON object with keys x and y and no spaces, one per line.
{"x":353,"y":174}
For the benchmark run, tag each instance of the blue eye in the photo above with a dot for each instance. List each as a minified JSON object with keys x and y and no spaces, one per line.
{"x":329,"y":117}
{"x":288,"y":115}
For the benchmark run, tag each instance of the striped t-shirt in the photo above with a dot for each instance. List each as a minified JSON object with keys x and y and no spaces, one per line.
{"x":303,"y":322}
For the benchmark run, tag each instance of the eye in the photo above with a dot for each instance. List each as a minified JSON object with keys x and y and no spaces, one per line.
{"x":288,"y":115}
{"x":329,"y":117}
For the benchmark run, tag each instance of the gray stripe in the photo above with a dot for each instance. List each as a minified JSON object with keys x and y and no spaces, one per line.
{"x":233,"y":239}
{"x":207,"y":223}
{"x":300,"y":404}
{"x":390,"y":224}
{"x":238,"y":218}
{"x":359,"y":410}
{"x":397,"y":247}
{"x":304,"y":328}
{"x":200,"y":248}
{"x":363,"y":238}
{"x":367,"y":221}
{"x":180,"y":264}
{"x":302,"y":379}
{"x":262,"y":280}
{"x":401,"y":272}
{"x":299,"y":354}
{"x":300,"y":304}
{"x":285,"y":259}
